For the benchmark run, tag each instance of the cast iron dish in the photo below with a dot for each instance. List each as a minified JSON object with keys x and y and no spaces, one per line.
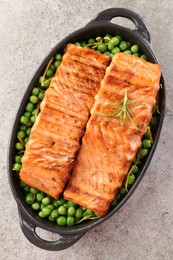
{"x":100,"y":25}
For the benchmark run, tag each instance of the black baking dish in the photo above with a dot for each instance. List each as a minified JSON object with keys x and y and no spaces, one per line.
{"x":99,"y":26}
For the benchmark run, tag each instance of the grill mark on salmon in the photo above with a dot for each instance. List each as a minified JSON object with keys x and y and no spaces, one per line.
{"x":108,"y":148}
{"x":56,"y":134}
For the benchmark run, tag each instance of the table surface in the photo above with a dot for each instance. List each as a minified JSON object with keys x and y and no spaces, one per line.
{"x":143,"y":227}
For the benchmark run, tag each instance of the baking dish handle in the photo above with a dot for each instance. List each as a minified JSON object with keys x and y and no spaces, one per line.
{"x":108,"y":14}
{"x":29,"y":229}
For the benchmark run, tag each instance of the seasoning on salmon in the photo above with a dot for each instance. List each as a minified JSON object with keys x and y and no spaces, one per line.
{"x":56,"y":135}
{"x":110,"y":144}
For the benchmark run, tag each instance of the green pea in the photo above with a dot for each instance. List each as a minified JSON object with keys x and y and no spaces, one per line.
{"x":115,"y":50}
{"x":122,"y":190}
{"x":55,"y":203}
{"x":79,"y":213}
{"x":28,"y":130}
{"x":17,"y":159}
{"x":26,"y":139}
{"x":127,"y":52}
{"x":66,"y":205}
{"x":83,"y":43}
{"x":119,"y":38}
{"x":111,"y":55}
{"x":91,"y":40}
{"x":24,"y":120}
{"x":17,"y":167}
{"x":27,"y":114}
{"x":26,"y":189}
{"x":42,"y":206}
{"x":131,"y":179}
{"x":143,"y":152}
{"x":39,"y":196}
{"x":70,"y":221}
{"x":153,"y":120}
{"x":46,"y":201}
{"x":41,"y":215}
{"x":143,"y":57}
{"x":35,"y":91}
{"x":134,"y":48}
{"x":89,"y":212}
{"x":114,"y":41}
{"x":52,"y":67}
{"x":35,"y":206}
{"x":102,"y":47}
{"x":54,"y":213}
{"x":70,"y":203}
{"x":49,"y":73}
{"x":32,"y":119}
{"x":107,"y":53}
{"x":136,"y":54}
{"x":118,"y":197}
{"x":33,"y":190}
{"x":29,"y":107}
{"x":123,"y":46}
{"x":34,"y":112}
{"x":110,"y":46}
{"x":61,"y":221}
{"x":77,"y":43}
{"x":50,"y":206}
{"x":62,"y":210}
{"x":128,"y":45}
{"x":46,"y":211}
{"x":114,"y":202}
{"x":19,"y":146}
{"x":146,"y":143}
{"x":108,"y":36}
{"x":146,"y":135}
{"x":21,"y":134}
{"x":71,"y":211}
{"x":23,"y":127}
{"x":41,"y":95}
{"x":33,"y":99}
{"x":135,"y":169}
{"x":51,"y":219}
{"x":29,"y":123}
{"x":57,"y":63}
{"x":22,"y":184}
{"x":61,"y":202}
{"x":29,"y":198}
{"x":46,"y":83}
{"x":58,"y":56}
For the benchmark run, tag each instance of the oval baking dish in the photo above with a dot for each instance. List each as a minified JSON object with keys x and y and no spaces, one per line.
{"x":100,"y":25}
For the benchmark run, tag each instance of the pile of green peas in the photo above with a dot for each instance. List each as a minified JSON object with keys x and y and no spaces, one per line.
{"x":109,"y":45}
{"x":62,"y":212}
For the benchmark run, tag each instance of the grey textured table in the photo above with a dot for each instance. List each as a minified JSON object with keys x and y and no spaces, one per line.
{"x":143,"y":228}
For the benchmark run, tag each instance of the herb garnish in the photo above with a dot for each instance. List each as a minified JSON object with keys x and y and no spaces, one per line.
{"x":124,"y":111}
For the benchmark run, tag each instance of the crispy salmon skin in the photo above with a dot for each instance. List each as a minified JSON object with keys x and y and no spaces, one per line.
{"x":56,"y":135}
{"x":108,"y":146}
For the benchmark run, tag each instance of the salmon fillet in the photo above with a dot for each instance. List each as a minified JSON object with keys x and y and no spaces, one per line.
{"x":108,"y":147}
{"x":56,"y":134}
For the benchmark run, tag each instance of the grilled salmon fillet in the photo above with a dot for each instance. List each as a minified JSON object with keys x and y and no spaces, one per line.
{"x":108,"y":147}
{"x":56,"y":134}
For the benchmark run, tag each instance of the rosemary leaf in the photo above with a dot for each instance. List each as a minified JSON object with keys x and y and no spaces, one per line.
{"x":87,"y":217}
{"x":43,"y":77}
{"x":131,"y":169}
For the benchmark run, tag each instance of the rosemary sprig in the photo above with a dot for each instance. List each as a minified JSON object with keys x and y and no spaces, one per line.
{"x":87,"y":217}
{"x":149,"y":134}
{"x":131,"y":169}
{"x":124,"y":111}
{"x":43,"y":77}
{"x":21,"y":141}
